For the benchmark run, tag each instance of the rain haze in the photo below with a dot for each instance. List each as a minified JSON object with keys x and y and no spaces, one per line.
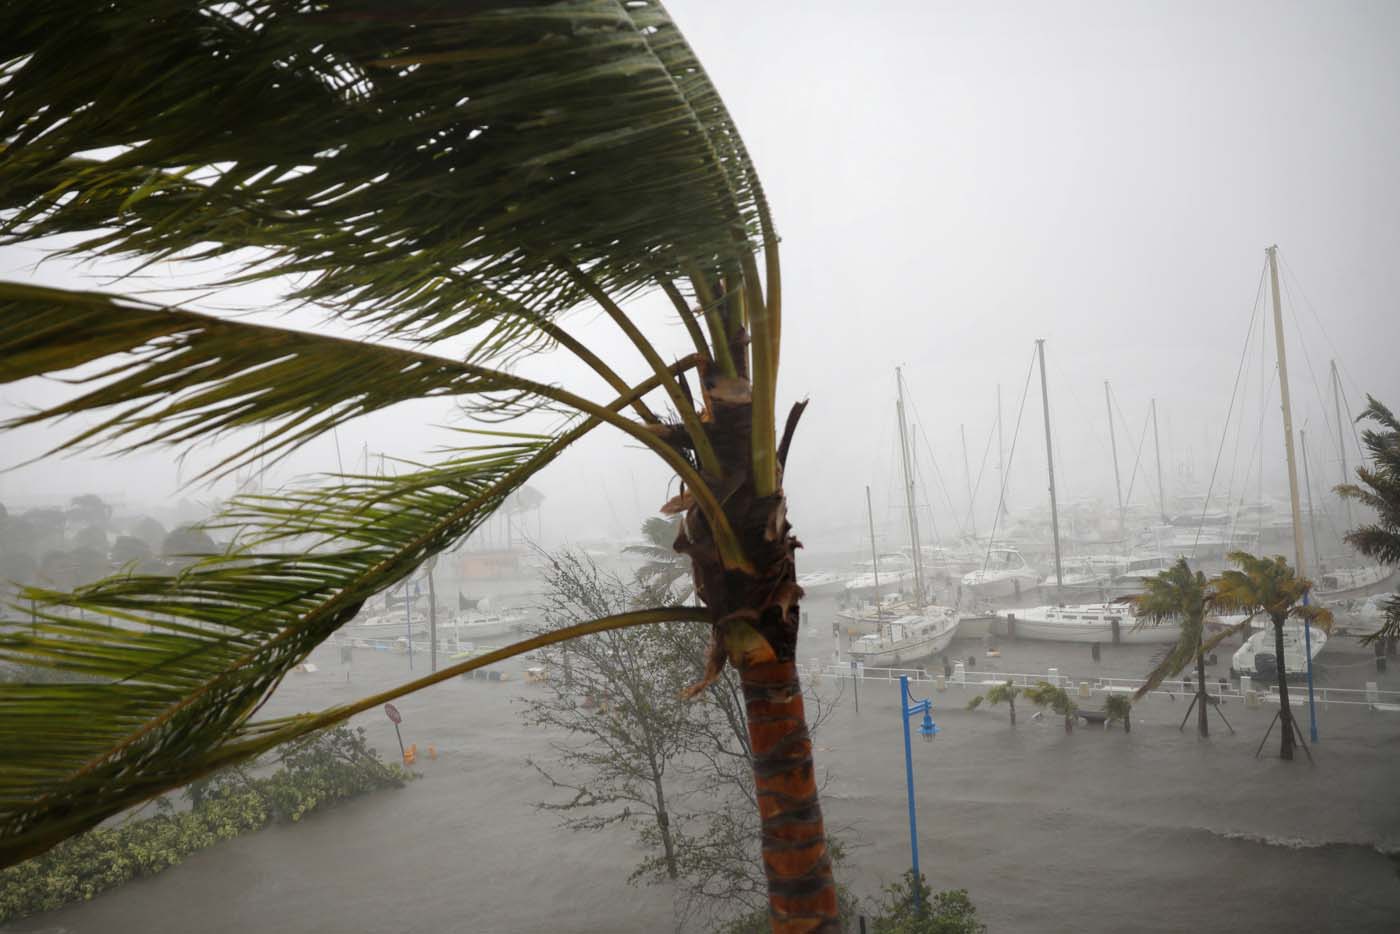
{"x":951,"y":183}
{"x":998,"y":222}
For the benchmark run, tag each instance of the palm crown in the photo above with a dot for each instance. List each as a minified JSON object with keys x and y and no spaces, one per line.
{"x":423,"y":174}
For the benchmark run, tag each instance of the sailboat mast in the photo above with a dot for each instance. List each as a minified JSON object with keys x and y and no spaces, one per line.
{"x":1157,"y":449}
{"x":967,"y":472}
{"x":1341,"y":438}
{"x":874,"y":550}
{"x":1050,"y":463}
{"x":1113,"y":443}
{"x":1287,"y":412}
{"x":909,"y":493}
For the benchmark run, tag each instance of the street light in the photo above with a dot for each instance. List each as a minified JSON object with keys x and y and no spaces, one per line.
{"x":928,"y":730}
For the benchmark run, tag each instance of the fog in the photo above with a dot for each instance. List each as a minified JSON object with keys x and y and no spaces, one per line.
{"x":952,"y":182}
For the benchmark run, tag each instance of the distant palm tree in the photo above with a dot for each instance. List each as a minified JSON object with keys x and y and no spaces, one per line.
{"x":997,"y":694}
{"x":1046,"y":695}
{"x":1379,"y":489}
{"x":1182,"y":596}
{"x":446,"y":182}
{"x":1270,"y":586}
{"x":664,"y":567}
{"x":1118,"y":707}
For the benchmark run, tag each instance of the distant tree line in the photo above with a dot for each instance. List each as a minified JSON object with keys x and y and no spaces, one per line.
{"x":65,"y":548}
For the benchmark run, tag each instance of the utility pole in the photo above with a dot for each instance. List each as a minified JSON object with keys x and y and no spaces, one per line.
{"x":1050,"y":463}
{"x":1117,"y":479}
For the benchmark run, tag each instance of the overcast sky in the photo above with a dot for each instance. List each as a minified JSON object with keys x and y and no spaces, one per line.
{"x":953,"y":181}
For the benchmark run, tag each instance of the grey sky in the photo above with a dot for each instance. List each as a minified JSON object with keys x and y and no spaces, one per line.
{"x":953,"y":181}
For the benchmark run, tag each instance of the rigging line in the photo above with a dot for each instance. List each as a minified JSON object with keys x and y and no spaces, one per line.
{"x":937,"y":473}
{"x":1307,"y":357}
{"x":1336,"y":354}
{"x":1288,"y":273}
{"x":1257,"y":451}
{"x":1142,"y":441}
{"x":923,"y":486}
{"x":1225,"y":432}
{"x":1321,"y":502}
{"x":1128,"y":434}
{"x":1001,"y":503}
{"x":1356,"y":438}
{"x":982,"y":469}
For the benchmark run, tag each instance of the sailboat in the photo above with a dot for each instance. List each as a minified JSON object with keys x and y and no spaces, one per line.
{"x":929,"y":628}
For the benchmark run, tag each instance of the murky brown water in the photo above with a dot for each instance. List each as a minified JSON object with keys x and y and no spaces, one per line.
{"x":1093,"y":832}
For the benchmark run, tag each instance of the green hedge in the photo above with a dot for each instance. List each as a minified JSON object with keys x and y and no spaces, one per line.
{"x":314,"y":772}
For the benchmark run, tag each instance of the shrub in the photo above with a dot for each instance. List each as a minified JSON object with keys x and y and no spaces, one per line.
{"x":948,"y":912}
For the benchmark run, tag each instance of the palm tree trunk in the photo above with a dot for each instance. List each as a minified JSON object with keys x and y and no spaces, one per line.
{"x":1285,"y":712}
{"x":801,"y":889}
{"x":757,"y":616}
{"x":1202,"y":720}
{"x":1012,"y":702}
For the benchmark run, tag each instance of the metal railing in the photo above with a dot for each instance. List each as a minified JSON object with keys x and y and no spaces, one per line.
{"x":1226,"y":691}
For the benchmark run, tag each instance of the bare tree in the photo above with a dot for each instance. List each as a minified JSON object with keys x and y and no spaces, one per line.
{"x":636,"y":752}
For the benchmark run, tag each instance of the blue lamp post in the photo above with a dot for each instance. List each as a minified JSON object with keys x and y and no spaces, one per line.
{"x":928,"y":730}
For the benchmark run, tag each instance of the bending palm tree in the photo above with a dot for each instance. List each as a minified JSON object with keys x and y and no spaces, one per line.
{"x":1180,"y":595}
{"x":468,"y":172}
{"x":1269,"y":586}
{"x":1379,"y":489}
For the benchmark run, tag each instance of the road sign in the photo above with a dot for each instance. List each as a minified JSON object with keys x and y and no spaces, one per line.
{"x":392,"y":713}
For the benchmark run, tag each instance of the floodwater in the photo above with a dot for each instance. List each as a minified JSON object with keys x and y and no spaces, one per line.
{"x":1153,"y":831}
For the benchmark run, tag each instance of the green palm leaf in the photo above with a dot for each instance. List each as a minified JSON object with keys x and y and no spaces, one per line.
{"x":474,"y":170}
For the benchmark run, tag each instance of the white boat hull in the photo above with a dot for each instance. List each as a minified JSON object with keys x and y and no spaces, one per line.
{"x":1263,"y":642}
{"x":1355,"y":582}
{"x":921,"y":642}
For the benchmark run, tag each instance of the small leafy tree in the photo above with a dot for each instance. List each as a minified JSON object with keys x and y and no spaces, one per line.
{"x":1046,"y":695}
{"x":997,"y":694}
{"x":1270,"y":586}
{"x":912,"y":908}
{"x":1379,"y":489}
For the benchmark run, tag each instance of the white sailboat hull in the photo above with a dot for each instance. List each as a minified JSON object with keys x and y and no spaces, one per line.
{"x":907,"y":640}
{"x":1083,"y":623}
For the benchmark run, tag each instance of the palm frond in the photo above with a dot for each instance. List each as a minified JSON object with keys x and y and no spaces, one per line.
{"x":42,"y":804}
{"x":415,"y":165}
{"x":184,"y":376}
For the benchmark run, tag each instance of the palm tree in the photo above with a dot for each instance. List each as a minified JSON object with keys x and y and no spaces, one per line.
{"x":453,"y":178}
{"x":1269,"y":586}
{"x":1380,"y":539}
{"x":664,"y":567}
{"x":1180,"y":595}
{"x":997,"y":694}
{"x":1046,"y":695}
{"x":1118,"y":707}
